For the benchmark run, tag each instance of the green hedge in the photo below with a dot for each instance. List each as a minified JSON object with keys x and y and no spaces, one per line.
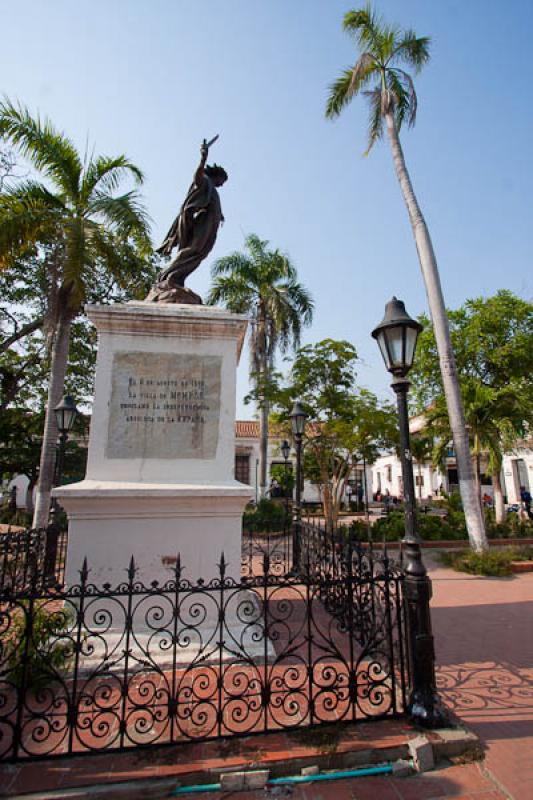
{"x":450,"y":528}
{"x":430,"y":528}
{"x":269,"y":516}
{"x":495,"y":563}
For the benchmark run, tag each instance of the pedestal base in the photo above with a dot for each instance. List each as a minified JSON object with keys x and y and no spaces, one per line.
{"x":111,"y":522}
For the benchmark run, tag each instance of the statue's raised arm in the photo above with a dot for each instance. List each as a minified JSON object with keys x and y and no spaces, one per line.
{"x":204,"y":152}
{"x":193,"y":232}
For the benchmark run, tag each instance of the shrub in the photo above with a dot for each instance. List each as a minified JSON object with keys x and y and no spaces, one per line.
{"x":267,"y":516}
{"x":45,"y":653}
{"x":512,"y":528}
{"x":431,"y":528}
{"x":391,"y":527}
{"x":495,"y":563}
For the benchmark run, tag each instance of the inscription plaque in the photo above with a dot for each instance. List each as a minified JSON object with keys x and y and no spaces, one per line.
{"x":164,"y":405}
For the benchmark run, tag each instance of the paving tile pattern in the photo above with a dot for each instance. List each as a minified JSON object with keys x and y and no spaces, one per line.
{"x":484,"y":648}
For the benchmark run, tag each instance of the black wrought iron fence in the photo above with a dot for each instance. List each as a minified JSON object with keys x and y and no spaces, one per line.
{"x":32,"y":558}
{"x":276,"y":546}
{"x":89,"y":668}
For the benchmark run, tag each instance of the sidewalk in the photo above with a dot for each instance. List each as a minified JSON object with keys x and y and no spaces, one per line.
{"x":483,"y":630}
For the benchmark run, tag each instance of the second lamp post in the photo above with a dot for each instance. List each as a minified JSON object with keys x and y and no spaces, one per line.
{"x":298,"y":418}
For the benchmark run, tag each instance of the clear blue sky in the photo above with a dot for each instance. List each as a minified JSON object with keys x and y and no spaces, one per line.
{"x":152,"y":78}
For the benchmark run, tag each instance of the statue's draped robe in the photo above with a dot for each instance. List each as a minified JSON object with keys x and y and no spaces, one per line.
{"x":194,"y":231}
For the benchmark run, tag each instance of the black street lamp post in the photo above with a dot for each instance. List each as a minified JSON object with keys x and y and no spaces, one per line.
{"x":285,"y":452}
{"x":396,"y":336}
{"x":65,"y":413}
{"x":298,"y":418}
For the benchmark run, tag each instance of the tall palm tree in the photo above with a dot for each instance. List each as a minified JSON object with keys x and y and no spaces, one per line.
{"x":263,"y":283}
{"x":495,"y":420}
{"x":75,"y":212}
{"x":380,"y":76}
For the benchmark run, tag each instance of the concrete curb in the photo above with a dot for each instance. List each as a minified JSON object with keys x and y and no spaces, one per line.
{"x":445,"y":743}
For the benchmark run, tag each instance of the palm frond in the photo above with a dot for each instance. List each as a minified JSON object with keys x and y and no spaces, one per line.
{"x":365,"y":25}
{"x":235,"y":263}
{"x":48,"y":150}
{"x":124,"y":262}
{"x":107,"y":174}
{"x":375,"y":119}
{"x":26,"y":217}
{"x":413,"y":50}
{"x":125,"y":214}
{"x":233,"y":292}
{"x":257,"y":248}
{"x":30,"y":192}
{"x":341,"y":92}
{"x":404,"y":100}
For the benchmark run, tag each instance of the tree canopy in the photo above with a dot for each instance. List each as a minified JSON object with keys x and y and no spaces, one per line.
{"x":493,"y":342}
{"x":345,"y":423}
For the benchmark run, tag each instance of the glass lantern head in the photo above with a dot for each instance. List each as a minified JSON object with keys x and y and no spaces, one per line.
{"x":298,"y":418}
{"x":66,"y":413}
{"x":396,"y":336}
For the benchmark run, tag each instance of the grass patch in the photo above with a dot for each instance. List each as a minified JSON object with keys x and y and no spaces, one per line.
{"x":494,"y":563}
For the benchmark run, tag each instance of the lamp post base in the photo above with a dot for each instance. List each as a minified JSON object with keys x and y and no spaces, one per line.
{"x":426,"y":710}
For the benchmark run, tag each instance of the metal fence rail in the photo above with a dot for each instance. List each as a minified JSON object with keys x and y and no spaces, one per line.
{"x":87,"y":669}
{"x":32,"y":558}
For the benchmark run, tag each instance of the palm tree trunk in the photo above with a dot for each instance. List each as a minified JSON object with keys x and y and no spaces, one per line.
{"x":499,"y":505}
{"x":478,"y":479}
{"x":263,"y":446}
{"x":58,"y":370}
{"x":428,"y":263}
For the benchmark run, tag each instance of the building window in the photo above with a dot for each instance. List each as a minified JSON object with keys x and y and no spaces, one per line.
{"x":242,"y":468}
{"x":389,"y":473}
{"x":419,"y":480}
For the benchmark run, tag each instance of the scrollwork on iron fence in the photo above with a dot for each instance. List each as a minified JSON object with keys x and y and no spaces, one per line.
{"x":87,"y":668}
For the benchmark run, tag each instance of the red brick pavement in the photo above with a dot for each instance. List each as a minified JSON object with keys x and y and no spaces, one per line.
{"x":484,"y":653}
{"x":483,"y":631}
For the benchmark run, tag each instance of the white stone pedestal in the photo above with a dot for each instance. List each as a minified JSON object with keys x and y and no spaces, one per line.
{"x":161,"y":450}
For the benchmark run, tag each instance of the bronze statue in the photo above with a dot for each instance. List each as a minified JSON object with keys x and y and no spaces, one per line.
{"x":194,"y":231}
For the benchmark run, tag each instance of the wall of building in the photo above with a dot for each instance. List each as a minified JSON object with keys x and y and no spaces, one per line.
{"x":518,"y":472}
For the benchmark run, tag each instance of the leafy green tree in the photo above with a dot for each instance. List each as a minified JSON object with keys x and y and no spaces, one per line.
{"x":344,"y":421}
{"x":263,"y":284}
{"x":380,"y":74}
{"x":493,"y":341}
{"x":76,"y":216}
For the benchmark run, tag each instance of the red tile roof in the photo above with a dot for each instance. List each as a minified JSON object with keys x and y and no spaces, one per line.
{"x":247,"y":429}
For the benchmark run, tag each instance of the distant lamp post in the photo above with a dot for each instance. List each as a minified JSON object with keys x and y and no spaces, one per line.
{"x":285,"y":452}
{"x":298,"y":418}
{"x":396,"y":336}
{"x":65,"y":413}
